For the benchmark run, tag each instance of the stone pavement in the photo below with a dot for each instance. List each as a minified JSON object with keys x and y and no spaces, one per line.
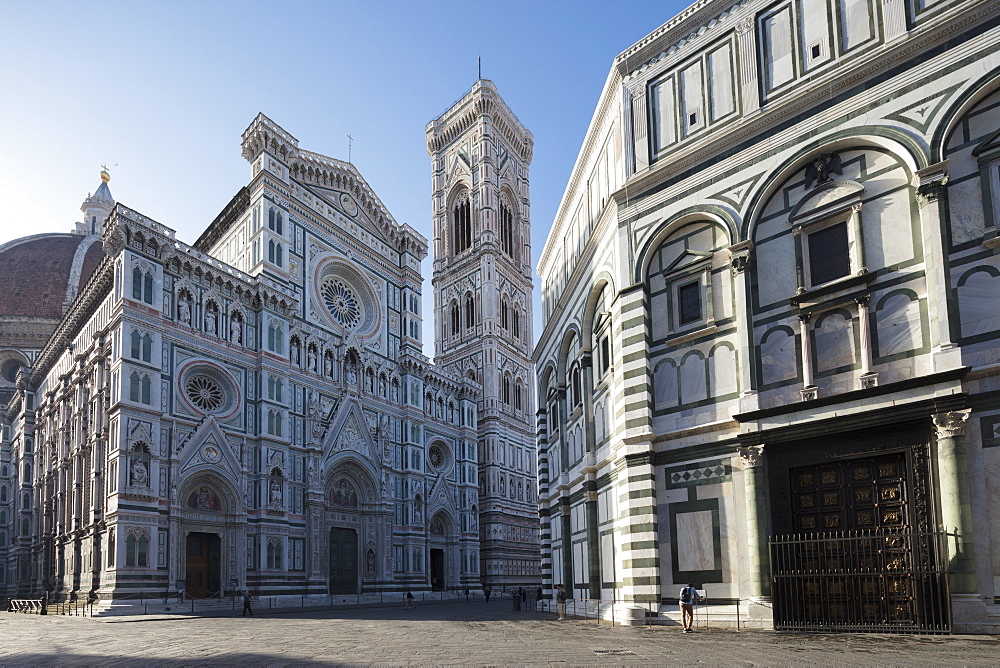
{"x":448,"y":634}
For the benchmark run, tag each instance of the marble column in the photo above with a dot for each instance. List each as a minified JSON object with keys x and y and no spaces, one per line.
{"x":956,"y":505}
{"x":868,"y":377}
{"x":809,"y":390}
{"x":593,"y":538}
{"x":758,"y":556}
{"x":739,"y":264}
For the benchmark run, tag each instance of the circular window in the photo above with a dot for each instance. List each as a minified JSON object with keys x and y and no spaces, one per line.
{"x":204,"y":392}
{"x":341,"y":302}
{"x":436,"y":456}
{"x":9,"y":370}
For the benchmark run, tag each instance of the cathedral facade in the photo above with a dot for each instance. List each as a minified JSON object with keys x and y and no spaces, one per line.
{"x":769,"y":364}
{"x":254,"y":410}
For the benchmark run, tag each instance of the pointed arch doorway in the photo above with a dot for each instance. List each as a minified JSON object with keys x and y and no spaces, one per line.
{"x":343,"y":561}
{"x":203,"y":576}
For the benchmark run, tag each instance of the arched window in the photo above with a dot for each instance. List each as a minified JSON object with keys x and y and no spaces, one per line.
{"x":462,"y":225}
{"x":137,"y":283}
{"x":274,"y":553}
{"x":146,"y":390}
{"x":274,"y":221}
{"x":518,"y":395}
{"x":136,"y":550}
{"x":275,"y":253}
{"x":470,"y":312}
{"x":517,"y":322}
{"x":504,"y":313}
{"x":456,"y":319}
{"x":134,"y":386}
{"x":506,"y":229}
{"x":147,"y":288}
{"x":505,"y":390}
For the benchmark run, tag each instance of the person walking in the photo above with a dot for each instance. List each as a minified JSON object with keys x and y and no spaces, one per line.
{"x":486,"y":593}
{"x":408,"y":601}
{"x":247,"y":603}
{"x":688,"y":597}
{"x":466,"y":593}
{"x":561,"y":602}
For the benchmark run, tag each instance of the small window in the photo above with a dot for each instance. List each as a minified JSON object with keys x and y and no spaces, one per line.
{"x":829,"y":258}
{"x":689,"y":303}
{"x":815,"y":50}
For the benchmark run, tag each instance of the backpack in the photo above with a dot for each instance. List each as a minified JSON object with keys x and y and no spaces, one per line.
{"x":687,"y":595}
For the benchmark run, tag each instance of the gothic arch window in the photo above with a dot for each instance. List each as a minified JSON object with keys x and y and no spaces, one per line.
{"x":575,"y":386}
{"x":137,"y":549}
{"x":275,"y":338}
{"x":456,"y":319}
{"x":275,"y":419}
{"x":516,"y":321}
{"x":142,"y":285}
{"x":142,"y":346}
{"x":470,"y":312}
{"x":275,"y":389}
{"x":274,"y":553}
{"x":505,"y":390}
{"x":504,"y":313}
{"x":275,"y":253}
{"x":518,"y":395}
{"x":3,"y":494}
{"x":507,"y":235}
{"x":461,"y":224}
{"x":140,"y":388}
{"x":274,"y":221}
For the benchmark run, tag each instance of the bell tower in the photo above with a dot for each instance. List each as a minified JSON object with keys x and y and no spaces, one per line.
{"x":482,"y":284}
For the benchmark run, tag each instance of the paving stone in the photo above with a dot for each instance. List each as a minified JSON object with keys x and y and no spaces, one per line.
{"x":449,"y":634}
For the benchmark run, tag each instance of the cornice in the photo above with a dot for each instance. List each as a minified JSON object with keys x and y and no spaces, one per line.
{"x":483,"y":100}
{"x":818,"y":92}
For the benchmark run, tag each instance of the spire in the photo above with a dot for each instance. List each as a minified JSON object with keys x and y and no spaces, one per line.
{"x":96,"y":207}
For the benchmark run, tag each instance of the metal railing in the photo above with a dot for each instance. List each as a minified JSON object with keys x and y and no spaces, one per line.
{"x":870,"y":580}
{"x":31,"y":606}
{"x":602,"y":610}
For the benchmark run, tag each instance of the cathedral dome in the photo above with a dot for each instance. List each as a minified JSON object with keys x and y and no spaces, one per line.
{"x":43,"y":273}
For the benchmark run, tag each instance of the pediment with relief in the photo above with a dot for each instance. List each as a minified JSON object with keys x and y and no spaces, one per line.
{"x":350,"y":432}
{"x":207,"y":448}
{"x":826,"y":199}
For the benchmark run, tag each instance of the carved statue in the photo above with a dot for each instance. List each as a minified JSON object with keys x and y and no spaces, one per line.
{"x":328,"y":366}
{"x":184,"y":311}
{"x":275,"y":492}
{"x":210,"y":321}
{"x":820,"y":169}
{"x":235,"y":331}
{"x":140,"y":474}
{"x":352,"y":375}
{"x":295,"y":352}
{"x":311,"y":359}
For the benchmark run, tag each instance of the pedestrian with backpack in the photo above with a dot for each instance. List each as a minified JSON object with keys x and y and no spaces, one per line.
{"x":688,"y":598}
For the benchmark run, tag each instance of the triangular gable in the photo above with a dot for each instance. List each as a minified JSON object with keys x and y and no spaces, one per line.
{"x":989,"y":146}
{"x":458,"y":168}
{"x":688,"y":257}
{"x":207,"y":448}
{"x":350,"y":432}
{"x":439,"y":498}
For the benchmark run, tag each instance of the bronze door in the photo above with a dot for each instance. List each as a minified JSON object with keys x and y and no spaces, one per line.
{"x":343,"y":561}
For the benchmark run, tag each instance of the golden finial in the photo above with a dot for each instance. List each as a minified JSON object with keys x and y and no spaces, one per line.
{"x":104,"y":174}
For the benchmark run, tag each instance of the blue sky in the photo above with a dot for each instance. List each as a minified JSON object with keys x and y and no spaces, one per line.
{"x":163,"y":90}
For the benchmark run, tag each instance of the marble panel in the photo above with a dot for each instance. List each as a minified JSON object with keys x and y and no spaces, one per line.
{"x":834,"y":342}
{"x":659,"y":316}
{"x":665,"y":390}
{"x":695,"y":544}
{"x":977,"y":304}
{"x":897,"y":326}
{"x":778,"y":357}
{"x":888,"y":231}
{"x":693,"y":381}
{"x":722,"y":371}
{"x":965,"y":210}
{"x":779,"y":281}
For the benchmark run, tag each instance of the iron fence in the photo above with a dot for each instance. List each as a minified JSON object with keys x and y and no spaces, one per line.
{"x":870,"y":580}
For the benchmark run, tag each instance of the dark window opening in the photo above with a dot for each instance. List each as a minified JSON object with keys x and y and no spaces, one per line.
{"x":828,"y":254}
{"x":689,"y":297}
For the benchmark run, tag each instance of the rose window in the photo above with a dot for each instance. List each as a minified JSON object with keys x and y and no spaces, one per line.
{"x":341,"y":302}
{"x":204,"y":392}
{"x":436,"y":456}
